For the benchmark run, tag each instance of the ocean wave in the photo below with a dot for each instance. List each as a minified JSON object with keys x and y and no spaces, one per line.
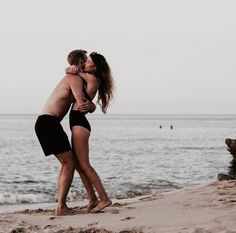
{"x":22,"y":182}
{"x":130,"y":190}
{"x":201,"y":148}
{"x":23,"y":198}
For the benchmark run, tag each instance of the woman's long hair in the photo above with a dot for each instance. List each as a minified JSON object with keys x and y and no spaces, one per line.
{"x":106,"y":84}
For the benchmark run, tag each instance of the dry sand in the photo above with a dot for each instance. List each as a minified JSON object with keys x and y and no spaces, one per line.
{"x":205,"y":208}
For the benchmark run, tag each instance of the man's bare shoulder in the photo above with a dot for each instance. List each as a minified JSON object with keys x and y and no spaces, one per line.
{"x":71,"y":78}
{"x":73,"y":81}
{"x":63,"y":83}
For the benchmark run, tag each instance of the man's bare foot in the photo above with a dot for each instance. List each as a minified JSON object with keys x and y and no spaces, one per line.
{"x":63,"y":211}
{"x":91,"y":205}
{"x":101,"y":205}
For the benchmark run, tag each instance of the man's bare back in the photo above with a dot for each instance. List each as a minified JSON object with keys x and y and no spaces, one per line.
{"x":60,"y":100}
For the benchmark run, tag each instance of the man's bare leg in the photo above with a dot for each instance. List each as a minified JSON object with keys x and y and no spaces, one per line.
{"x":64,"y":181}
{"x":58,"y":179}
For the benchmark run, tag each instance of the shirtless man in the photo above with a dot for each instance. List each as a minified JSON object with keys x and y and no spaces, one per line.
{"x":52,"y":137}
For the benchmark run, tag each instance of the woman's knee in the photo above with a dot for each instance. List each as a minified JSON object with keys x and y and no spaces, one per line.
{"x":85,"y":167}
{"x":78,"y":167}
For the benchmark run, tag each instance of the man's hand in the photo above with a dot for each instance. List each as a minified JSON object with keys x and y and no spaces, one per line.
{"x":72,"y":70}
{"x":87,"y":106}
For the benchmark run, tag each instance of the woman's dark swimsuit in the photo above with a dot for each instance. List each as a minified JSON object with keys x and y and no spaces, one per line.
{"x":78,"y":118}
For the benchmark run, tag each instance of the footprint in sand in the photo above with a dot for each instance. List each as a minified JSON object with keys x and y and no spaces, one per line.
{"x":53,"y":218}
{"x":115,"y":211}
{"x":223,"y":193}
{"x":149,"y":198}
{"x":221,"y":200}
{"x":117,"y":204}
{"x":49,"y":227}
{"x":130,"y":207}
{"x":232,"y":200}
{"x":127,"y":218}
{"x":26,"y":229}
{"x":92,"y":224}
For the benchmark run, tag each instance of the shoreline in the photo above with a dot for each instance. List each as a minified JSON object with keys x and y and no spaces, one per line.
{"x":208,"y":207}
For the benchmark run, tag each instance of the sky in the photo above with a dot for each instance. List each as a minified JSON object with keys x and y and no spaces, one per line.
{"x":166,"y":56}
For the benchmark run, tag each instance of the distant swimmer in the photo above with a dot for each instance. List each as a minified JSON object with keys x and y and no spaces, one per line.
{"x":160,"y":126}
{"x":171,"y":127}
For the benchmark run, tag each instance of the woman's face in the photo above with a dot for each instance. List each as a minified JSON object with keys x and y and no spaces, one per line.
{"x":89,"y":66}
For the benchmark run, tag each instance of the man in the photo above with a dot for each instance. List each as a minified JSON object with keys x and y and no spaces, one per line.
{"x":51,"y":135}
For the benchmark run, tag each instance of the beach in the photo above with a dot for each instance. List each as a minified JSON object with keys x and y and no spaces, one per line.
{"x":160,"y":180}
{"x":209,"y":207}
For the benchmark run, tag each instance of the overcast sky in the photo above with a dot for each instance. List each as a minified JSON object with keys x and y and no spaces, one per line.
{"x":168,"y":56}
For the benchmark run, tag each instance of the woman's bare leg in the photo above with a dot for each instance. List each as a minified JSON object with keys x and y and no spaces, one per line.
{"x":93,"y":200}
{"x":81,"y":148}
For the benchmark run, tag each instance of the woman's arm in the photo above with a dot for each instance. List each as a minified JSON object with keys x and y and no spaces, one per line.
{"x":72,"y":70}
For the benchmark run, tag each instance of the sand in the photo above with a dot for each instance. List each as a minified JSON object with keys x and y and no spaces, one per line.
{"x":206,"y":208}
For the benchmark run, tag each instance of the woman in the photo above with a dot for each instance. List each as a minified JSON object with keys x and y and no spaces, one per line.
{"x":98,"y":76}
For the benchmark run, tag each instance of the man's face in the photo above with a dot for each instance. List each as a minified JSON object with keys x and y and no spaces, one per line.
{"x":89,"y":66}
{"x":82,"y":63}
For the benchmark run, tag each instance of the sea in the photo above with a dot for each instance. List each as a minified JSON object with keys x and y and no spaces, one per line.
{"x":133,"y":155}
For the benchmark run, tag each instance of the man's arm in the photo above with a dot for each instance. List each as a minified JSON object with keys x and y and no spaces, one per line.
{"x":87,"y":106}
{"x":76,"y":86}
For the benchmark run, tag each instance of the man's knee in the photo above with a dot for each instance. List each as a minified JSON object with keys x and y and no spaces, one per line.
{"x":70,"y":164}
{"x":66,"y":160}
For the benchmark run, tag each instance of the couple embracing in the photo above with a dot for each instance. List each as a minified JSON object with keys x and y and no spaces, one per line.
{"x":85,"y":77}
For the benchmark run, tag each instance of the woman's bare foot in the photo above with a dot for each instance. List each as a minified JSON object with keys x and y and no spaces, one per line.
{"x":101,"y":205}
{"x":91,"y":205}
{"x":63,"y":211}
